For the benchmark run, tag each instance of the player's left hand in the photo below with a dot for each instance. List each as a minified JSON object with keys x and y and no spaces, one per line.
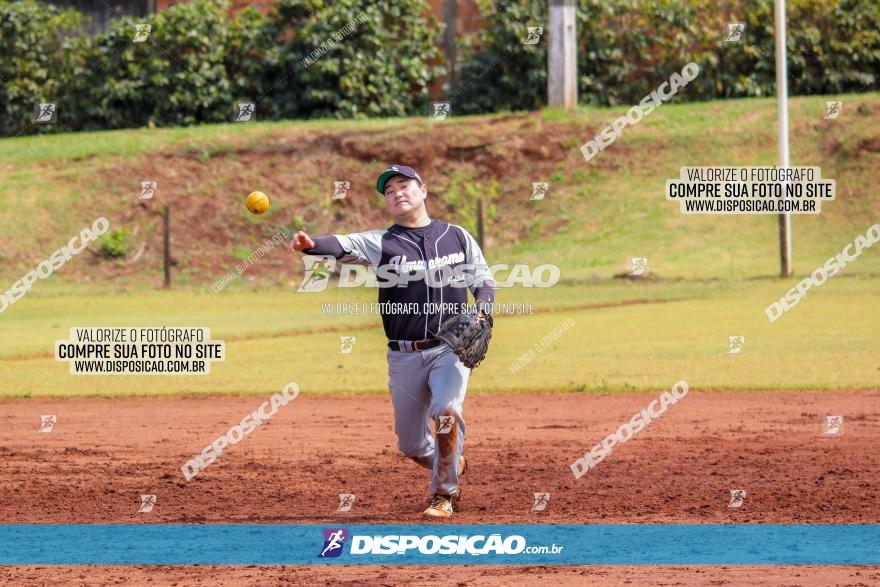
{"x":468,"y":335}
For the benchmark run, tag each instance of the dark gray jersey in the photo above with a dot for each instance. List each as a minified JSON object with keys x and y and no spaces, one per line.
{"x":399,"y":249}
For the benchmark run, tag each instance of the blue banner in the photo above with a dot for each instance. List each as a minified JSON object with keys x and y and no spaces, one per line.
{"x":550,"y":544}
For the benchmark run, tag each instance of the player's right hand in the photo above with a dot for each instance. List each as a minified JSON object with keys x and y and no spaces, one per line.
{"x":300,"y":241}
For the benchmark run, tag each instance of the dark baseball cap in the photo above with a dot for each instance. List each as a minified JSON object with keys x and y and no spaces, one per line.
{"x":396,"y":170}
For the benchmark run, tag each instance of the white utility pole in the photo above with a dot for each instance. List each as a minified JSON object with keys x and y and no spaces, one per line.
{"x":782,"y":110}
{"x":562,"y":55}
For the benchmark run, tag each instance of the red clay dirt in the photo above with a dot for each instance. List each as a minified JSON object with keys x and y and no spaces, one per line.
{"x":104,"y":453}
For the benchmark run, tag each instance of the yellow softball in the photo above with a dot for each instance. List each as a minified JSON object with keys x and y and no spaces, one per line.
{"x":257,"y":202}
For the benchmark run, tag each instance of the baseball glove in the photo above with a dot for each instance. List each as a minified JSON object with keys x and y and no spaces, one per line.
{"x":468,"y":337}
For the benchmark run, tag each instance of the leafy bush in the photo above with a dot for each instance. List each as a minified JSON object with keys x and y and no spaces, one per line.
{"x":627,"y":47}
{"x":192,"y":40}
{"x":301,"y":61}
{"x":252,"y":56}
{"x":198,"y":61}
{"x":176,"y":77}
{"x":117,"y":243}
{"x":378,"y":66}
{"x":35,"y":40}
{"x":113,"y":78}
{"x":499,"y":71}
{"x":834,"y":45}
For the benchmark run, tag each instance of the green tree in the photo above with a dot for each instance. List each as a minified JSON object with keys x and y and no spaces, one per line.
{"x":349,"y":59}
{"x":34,"y":67}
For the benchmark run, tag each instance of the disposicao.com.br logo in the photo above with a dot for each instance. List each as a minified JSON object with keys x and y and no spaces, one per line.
{"x":334,"y":542}
{"x":431,"y":544}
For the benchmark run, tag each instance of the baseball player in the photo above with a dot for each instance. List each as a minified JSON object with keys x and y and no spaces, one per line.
{"x":425,"y":377}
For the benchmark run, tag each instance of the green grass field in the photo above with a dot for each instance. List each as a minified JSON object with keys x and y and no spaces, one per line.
{"x":717,"y":274}
{"x":675,"y":331}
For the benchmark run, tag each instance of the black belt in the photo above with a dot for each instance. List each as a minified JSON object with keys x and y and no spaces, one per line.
{"x":417,"y":345}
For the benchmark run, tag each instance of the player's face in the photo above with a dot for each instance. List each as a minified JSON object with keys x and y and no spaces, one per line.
{"x":403,"y":194}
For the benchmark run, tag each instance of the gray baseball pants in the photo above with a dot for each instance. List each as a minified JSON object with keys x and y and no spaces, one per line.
{"x":430,"y":385}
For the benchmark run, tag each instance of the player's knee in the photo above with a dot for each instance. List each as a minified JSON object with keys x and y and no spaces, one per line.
{"x":413,"y":450}
{"x":408,"y":452}
{"x":437,"y":410}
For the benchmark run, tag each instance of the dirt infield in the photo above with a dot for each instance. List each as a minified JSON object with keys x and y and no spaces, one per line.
{"x":104,"y":453}
{"x":442,"y":576}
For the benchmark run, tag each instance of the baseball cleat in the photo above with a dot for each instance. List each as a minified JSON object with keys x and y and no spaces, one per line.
{"x":440,"y":506}
{"x":462,"y":468}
